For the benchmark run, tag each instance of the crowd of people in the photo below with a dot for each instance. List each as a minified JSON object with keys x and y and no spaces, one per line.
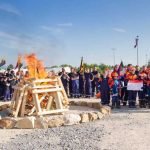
{"x":8,"y":80}
{"x":111,"y":86}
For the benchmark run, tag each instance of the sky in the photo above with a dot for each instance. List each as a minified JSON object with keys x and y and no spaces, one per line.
{"x":62,"y":31}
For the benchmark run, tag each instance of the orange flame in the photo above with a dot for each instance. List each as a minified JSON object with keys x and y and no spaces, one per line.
{"x":41,"y":70}
{"x":35,"y":67}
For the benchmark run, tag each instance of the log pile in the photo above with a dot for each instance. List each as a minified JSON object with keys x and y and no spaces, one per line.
{"x":39,"y":97}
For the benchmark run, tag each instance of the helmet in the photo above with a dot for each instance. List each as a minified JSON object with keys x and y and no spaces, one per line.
{"x":114,"y":74}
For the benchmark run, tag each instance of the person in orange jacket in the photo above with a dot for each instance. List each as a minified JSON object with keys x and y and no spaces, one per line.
{"x":115,"y":91}
{"x":115,"y":71}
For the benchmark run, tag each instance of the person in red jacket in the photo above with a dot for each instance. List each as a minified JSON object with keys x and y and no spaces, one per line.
{"x":132,"y":94}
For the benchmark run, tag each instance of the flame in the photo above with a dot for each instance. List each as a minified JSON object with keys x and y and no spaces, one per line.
{"x":35,"y":67}
{"x":41,"y":70}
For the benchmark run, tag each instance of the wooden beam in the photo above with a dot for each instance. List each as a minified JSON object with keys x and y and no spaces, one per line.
{"x":13,"y":99}
{"x":49,"y":103}
{"x":34,"y":108}
{"x":19,"y":102}
{"x":43,"y":86}
{"x":17,"y":98}
{"x":45,"y":80}
{"x":58,"y":101}
{"x":63,"y":90}
{"x":46,"y":90}
{"x":37,"y":103}
{"x":22,"y":112}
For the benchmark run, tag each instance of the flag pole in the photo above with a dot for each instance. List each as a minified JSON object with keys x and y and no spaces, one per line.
{"x":137,"y":51}
{"x":137,"y":56}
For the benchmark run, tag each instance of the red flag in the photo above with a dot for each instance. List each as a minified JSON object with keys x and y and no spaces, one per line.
{"x":136,"y":42}
{"x":81,"y":65}
{"x":19,"y":63}
{"x":120,"y":68}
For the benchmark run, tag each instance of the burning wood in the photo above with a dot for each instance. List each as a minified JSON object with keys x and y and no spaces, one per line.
{"x":38,"y":94}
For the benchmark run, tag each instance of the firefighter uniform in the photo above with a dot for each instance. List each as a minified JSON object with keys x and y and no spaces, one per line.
{"x":115,"y":89}
{"x":75,"y":84}
{"x":142,"y":93}
{"x":88,"y":86}
{"x":132,"y":94}
{"x":81,"y":84}
{"x":95,"y":82}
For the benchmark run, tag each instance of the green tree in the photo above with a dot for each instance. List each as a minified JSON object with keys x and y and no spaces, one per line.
{"x":54,"y":66}
{"x":65,"y":65}
{"x":10,"y":67}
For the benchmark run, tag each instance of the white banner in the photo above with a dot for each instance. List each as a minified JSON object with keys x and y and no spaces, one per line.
{"x":135,"y":85}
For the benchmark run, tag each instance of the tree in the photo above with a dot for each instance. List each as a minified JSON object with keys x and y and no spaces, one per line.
{"x":65,"y":65}
{"x":54,"y":66}
{"x":10,"y":67}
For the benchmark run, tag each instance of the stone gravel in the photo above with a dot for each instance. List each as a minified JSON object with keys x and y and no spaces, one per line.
{"x":125,"y":129}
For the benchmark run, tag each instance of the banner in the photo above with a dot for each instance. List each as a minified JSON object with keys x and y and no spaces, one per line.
{"x":135,"y":85}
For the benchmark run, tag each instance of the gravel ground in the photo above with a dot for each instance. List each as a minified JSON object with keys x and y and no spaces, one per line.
{"x":125,"y":129}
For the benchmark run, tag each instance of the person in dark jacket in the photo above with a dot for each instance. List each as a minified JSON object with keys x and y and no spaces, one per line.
{"x":75,"y":83}
{"x":95,"y":82}
{"x":88,"y":85}
{"x":70,"y":83}
{"x":65,"y":79}
{"x":81,"y":83}
{"x":105,"y":90}
{"x":6,"y":89}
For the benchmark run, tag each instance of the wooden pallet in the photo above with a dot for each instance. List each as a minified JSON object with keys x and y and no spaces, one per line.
{"x":47,"y":96}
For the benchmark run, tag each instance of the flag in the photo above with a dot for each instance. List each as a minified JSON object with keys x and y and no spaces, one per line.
{"x":81,"y":65}
{"x":136,"y":42}
{"x":19,"y":63}
{"x":135,"y":85}
{"x":2,"y":63}
{"x":120,"y":68}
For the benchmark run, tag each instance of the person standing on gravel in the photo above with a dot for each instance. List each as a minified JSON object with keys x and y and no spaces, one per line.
{"x":132,"y":93}
{"x":70,"y":83}
{"x":115,"y":88}
{"x":125,"y":91}
{"x":148,"y":89}
{"x":104,"y":90}
{"x":88,"y":82}
{"x":95,"y":82}
{"x":65,"y":79}
{"x":75,"y":83}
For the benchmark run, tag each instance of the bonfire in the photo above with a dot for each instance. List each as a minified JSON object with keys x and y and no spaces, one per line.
{"x":36,"y":93}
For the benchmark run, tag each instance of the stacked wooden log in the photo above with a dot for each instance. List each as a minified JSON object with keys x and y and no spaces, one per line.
{"x":39,"y":97}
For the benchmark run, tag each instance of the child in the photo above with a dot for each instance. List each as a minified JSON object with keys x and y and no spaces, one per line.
{"x":115,"y":86}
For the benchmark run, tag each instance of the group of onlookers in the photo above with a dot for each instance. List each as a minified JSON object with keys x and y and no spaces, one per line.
{"x":8,"y":80}
{"x":111,"y":86}
{"x":80,"y":83}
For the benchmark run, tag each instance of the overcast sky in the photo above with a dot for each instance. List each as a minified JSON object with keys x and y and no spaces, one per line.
{"x":61,"y":31}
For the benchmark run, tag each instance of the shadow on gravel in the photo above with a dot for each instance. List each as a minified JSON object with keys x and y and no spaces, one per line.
{"x":131,"y":110}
